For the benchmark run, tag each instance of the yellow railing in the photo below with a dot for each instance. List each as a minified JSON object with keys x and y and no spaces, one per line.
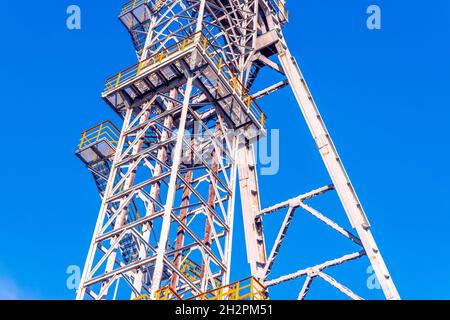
{"x":209,"y":49}
{"x":193,"y":271}
{"x":158,"y":5}
{"x":280,"y":5}
{"x":165,"y":293}
{"x":130,"y":5}
{"x":106,"y":130}
{"x":133,"y":71}
{"x":247,"y":289}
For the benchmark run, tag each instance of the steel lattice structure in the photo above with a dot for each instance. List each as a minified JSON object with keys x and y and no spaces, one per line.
{"x":168,"y":178}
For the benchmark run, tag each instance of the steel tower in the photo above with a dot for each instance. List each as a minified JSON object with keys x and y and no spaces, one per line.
{"x":168,"y":178}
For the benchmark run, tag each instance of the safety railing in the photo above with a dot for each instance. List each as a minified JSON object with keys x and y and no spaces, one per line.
{"x":208,"y":49}
{"x":247,"y":289}
{"x":280,"y":7}
{"x":190,"y":269}
{"x":155,"y":5}
{"x":105,"y":130}
{"x":193,"y":271}
{"x":165,"y":293}
{"x":158,"y":5}
{"x":134,"y":71}
{"x":131,"y":5}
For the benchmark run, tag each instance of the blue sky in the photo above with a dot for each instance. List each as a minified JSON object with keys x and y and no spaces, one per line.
{"x":382,"y":93}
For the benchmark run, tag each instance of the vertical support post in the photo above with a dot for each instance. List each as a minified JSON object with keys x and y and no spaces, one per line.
{"x":180,"y":232}
{"x":211,"y":203}
{"x":230,"y":215}
{"x":179,"y":242}
{"x":254,"y":234}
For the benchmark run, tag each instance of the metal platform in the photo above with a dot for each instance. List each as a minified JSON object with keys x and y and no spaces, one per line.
{"x":98,"y":143}
{"x":166,"y":69}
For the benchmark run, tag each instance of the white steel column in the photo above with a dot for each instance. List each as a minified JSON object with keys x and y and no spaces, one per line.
{"x":251,"y":206}
{"x":231,"y":209}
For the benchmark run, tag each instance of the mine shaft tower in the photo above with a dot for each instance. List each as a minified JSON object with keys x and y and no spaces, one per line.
{"x":168,"y":178}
